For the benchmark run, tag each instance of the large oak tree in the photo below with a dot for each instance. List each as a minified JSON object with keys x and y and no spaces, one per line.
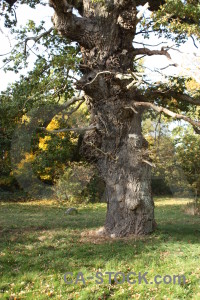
{"x":117,"y":95}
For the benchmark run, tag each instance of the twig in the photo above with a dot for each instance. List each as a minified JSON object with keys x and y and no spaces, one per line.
{"x":36,"y":38}
{"x":132,"y":108}
{"x":149,"y":163}
{"x":194,"y":41}
{"x":75,"y":109}
{"x":149,"y":45}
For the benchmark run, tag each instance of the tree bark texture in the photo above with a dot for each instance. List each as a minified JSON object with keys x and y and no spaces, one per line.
{"x":105,"y":32}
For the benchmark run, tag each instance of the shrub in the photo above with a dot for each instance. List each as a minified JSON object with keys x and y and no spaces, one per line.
{"x":73,"y":182}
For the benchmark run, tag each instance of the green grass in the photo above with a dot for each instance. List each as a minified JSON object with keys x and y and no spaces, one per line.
{"x":40,"y":243}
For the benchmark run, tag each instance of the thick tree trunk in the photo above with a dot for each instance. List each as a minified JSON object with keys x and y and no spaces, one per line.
{"x":121,"y":155}
{"x":128,"y":186}
{"x":105,"y":33}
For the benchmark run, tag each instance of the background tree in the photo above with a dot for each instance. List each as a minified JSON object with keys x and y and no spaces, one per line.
{"x":174,"y":153}
{"x":48,"y":85}
{"x":187,"y":155}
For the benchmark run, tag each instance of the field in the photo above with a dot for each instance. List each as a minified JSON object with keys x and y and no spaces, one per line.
{"x":39,"y":243}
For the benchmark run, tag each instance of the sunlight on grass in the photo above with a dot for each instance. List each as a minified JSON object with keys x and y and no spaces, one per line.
{"x":171,"y":201}
{"x":40,"y":243}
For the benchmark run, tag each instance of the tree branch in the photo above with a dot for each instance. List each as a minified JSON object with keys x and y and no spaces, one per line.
{"x":75,"y":28}
{"x":175,"y":95}
{"x":81,"y":129}
{"x":194,"y":42}
{"x":74,"y":109}
{"x":150,"y":45}
{"x":72,"y":101}
{"x":36,"y":38}
{"x":168,"y":112}
{"x":146,"y":51}
{"x":59,"y":108}
{"x":185,"y":98}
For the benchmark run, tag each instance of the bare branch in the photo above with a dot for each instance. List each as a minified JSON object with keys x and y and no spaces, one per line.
{"x":149,"y":45}
{"x":36,"y":38}
{"x":168,"y":112}
{"x":149,"y":163}
{"x":168,"y":66}
{"x":62,"y":89}
{"x":194,"y":41}
{"x":139,"y":58}
{"x":71,"y":102}
{"x":78,"y":129}
{"x":56,"y":109}
{"x":6,"y":35}
{"x":146,"y":51}
{"x":132,"y":108}
{"x":146,"y":31}
{"x":5,"y":64}
{"x":6,"y":53}
{"x":75,"y":109}
{"x":137,"y":78}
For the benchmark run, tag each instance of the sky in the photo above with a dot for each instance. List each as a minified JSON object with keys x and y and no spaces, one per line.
{"x":187,"y":57}
{"x":24,"y":13}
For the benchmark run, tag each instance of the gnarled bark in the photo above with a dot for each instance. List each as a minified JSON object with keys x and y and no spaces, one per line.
{"x":128,"y":186}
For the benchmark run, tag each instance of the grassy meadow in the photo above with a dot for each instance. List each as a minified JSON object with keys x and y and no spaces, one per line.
{"x":39,"y":243}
